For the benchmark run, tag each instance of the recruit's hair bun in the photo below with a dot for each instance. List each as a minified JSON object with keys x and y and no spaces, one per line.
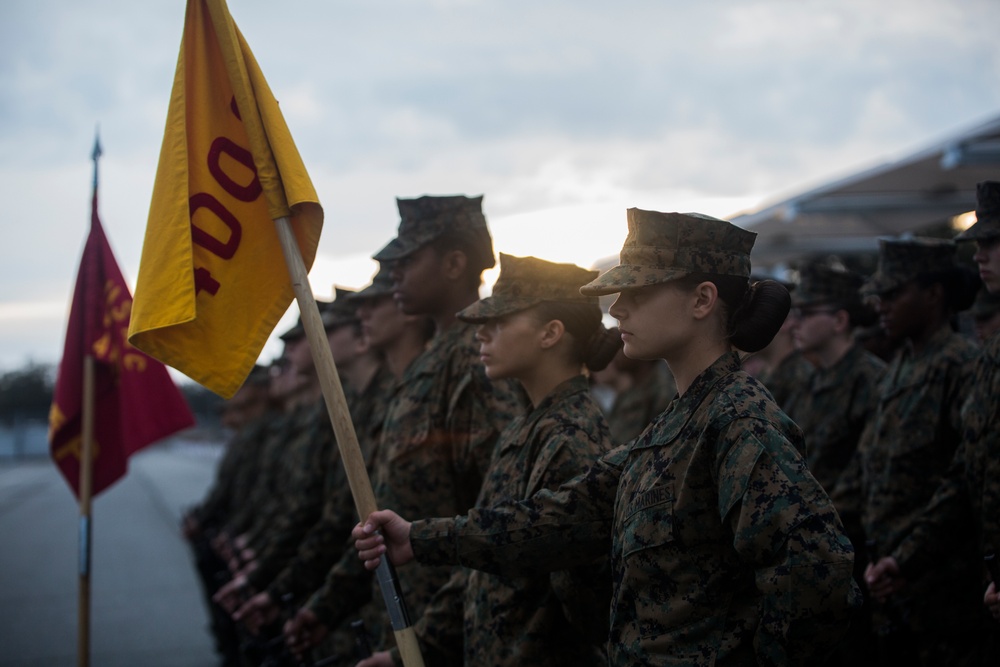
{"x":761,"y":314}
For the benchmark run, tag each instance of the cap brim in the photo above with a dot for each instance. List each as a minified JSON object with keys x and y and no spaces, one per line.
{"x":370,"y":292}
{"x":881,"y":284}
{"x":492,"y":307}
{"x":398,"y":248}
{"x":984,"y":229}
{"x":623,"y":277}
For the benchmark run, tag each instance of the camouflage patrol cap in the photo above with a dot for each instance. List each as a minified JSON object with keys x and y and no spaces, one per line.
{"x":987,"y":225}
{"x":299,"y":331}
{"x":903,"y":260}
{"x":664,"y":246}
{"x":527,"y":281}
{"x":381,"y":285}
{"x":426,"y":218}
{"x":821,"y":283}
{"x":341,"y":311}
{"x":986,"y":304}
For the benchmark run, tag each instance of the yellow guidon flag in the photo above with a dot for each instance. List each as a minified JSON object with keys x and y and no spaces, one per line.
{"x":212,"y":280}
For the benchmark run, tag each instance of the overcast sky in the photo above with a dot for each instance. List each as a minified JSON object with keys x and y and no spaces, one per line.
{"x":562,"y":114}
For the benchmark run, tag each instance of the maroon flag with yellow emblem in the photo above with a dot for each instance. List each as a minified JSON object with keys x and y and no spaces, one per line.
{"x":136,"y":402}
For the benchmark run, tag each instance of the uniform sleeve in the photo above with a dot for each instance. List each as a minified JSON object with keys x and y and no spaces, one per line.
{"x":785,"y":527}
{"x":533,"y":535}
{"x":301,"y":510}
{"x":325,"y":541}
{"x":348,"y":586}
{"x":945,"y":519}
{"x":218,"y":503}
{"x":948,"y":514}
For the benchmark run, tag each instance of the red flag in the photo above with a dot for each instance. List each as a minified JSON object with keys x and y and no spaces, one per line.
{"x":136,"y":403}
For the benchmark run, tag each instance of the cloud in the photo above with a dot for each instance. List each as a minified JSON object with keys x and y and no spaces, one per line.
{"x":549,"y":109}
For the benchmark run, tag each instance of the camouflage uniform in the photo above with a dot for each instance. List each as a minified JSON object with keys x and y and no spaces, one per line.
{"x":970,"y":488}
{"x":725,"y":550}
{"x":544,"y":620}
{"x":265,"y":484}
{"x":832,"y":410}
{"x":636,"y":407}
{"x":324,"y":542}
{"x":296,"y":505}
{"x":231,"y":488}
{"x":836,"y":403}
{"x":439,"y":429}
{"x":436,"y":443}
{"x":788,"y":379}
{"x":298,"y":489}
{"x":530,"y":619}
{"x":915,"y":432}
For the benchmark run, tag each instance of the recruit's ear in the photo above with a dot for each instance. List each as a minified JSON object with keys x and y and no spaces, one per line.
{"x":704,"y":298}
{"x":551,"y":333}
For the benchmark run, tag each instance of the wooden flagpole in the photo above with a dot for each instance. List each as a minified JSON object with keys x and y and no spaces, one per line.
{"x":343,"y":428}
{"x":86,"y":481}
{"x":86,"y":484}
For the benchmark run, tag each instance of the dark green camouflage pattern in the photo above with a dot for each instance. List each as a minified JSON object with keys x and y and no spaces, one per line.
{"x":825,"y":284}
{"x":915,"y":432}
{"x":437,"y":440}
{"x":264,"y":485}
{"x":527,"y":281}
{"x":664,"y":246}
{"x":968,"y":499}
{"x":426,"y":218}
{"x":902,"y":260}
{"x":281,"y":524}
{"x":324,"y":543}
{"x":231,"y":486}
{"x":725,"y":550}
{"x":833,"y":408}
{"x":547,"y":619}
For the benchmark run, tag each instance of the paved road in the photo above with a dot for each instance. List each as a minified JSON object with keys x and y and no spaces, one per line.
{"x":146,"y":607}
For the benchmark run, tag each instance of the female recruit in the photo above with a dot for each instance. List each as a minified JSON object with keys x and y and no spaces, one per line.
{"x":724,"y":549}
{"x":536,"y":328}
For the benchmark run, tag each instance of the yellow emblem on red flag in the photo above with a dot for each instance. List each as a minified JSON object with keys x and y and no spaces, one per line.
{"x":212,"y":280}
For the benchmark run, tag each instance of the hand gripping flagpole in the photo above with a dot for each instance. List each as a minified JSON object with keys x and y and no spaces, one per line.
{"x":347,"y":439}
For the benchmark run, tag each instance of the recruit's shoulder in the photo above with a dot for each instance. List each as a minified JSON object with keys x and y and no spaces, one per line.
{"x":742,"y":413}
{"x":861,"y":362}
{"x":953,"y":349}
{"x":741,"y":396}
{"x":571,"y":412}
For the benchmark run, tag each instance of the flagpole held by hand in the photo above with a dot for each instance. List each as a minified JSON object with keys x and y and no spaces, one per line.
{"x":347,"y":440}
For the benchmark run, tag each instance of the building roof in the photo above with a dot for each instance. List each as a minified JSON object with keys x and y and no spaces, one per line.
{"x":913,"y":193}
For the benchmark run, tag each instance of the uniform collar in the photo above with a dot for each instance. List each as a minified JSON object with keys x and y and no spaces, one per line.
{"x":682,"y":408}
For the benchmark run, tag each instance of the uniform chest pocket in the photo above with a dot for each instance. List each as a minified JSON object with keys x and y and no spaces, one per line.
{"x":650,"y":522}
